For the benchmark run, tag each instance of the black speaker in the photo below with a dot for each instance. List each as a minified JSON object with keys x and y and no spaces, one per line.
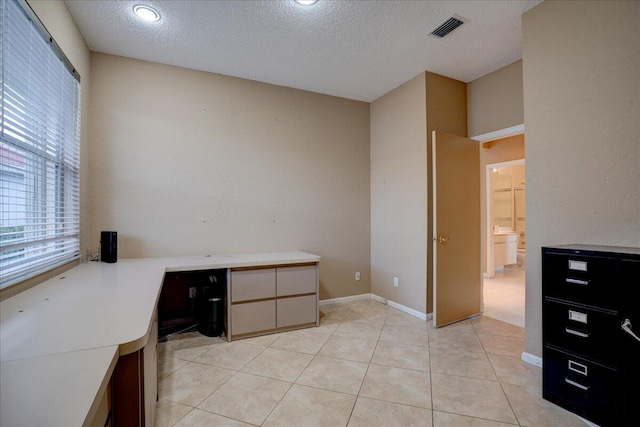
{"x":108,"y":246}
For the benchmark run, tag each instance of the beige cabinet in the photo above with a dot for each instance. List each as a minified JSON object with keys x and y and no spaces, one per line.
{"x":253,"y":317}
{"x":265,"y":300}
{"x":296,"y":311}
{"x":253,"y":284}
{"x":296,"y":280}
{"x":505,"y":249}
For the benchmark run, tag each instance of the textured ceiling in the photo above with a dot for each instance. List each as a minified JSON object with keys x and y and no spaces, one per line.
{"x":350,"y":48}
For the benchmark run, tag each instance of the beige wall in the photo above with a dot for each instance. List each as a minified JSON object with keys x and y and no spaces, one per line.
{"x":582,"y":100}
{"x":401,"y":227}
{"x":503,"y":150}
{"x":58,"y":21}
{"x":495,"y":100}
{"x":186,"y":162}
{"x":399,"y":194}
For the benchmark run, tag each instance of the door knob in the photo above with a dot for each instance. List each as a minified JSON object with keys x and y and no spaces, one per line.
{"x":442,"y":239}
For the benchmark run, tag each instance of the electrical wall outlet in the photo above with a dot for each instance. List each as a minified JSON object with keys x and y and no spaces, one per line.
{"x":395,"y":282}
{"x":357,"y":275}
{"x":192,"y":292}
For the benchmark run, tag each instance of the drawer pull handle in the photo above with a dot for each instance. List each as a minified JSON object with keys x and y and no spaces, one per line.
{"x":577,"y":333}
{"x":577,"y":316}
{"x":575,"y":384}
{"x":577,"y":281}
{"x":577,"y":265}
{"x":578,"y":367}
{"x":626,"y":326}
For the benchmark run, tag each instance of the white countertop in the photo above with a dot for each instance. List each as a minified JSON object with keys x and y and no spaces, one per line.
{"x":56,"y":390}
{"x":93,"y":306}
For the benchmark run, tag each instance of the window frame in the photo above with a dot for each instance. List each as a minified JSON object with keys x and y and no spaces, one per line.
{"x":54,"y":159}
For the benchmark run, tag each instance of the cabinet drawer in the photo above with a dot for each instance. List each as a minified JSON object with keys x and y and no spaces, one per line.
{"x":590,"y":280}
{"x":297,"y":311}
{"x":253,"y":317}
{"x":247,"y":285}
{"x":587,"y":389}
{"x":505,"y":238}
{"x":296,"y":280}
{"x":631,"y":288}
{"x":584,"y":331}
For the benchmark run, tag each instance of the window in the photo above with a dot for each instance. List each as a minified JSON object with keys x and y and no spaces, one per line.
{"x":39,"y":149}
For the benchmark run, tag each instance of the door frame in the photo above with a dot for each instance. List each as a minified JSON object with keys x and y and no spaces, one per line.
{"x":488,"y":190}
{"x":482,"y":138}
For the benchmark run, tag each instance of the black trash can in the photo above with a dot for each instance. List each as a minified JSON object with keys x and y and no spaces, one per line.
{"x":211,"y":321}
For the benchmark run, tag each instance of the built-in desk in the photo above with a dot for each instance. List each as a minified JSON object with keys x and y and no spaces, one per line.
{"x":72,"y":326}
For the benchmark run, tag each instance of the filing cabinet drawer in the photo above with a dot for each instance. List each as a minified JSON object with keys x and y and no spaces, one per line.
{"x":591,"y":280}
{"x":631,"y":288}
{"x":583,"y":387}
{"x":247,"y":285}
{"x":584,"y":331}
{"x":296,"y":280}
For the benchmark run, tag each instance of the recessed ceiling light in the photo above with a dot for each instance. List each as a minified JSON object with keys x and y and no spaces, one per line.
{"x":147,"y":13}
{"x":305,"y":2}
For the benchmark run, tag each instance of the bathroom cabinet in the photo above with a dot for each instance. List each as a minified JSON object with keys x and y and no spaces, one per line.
{"x":590,"y":313}
{"x":505,"y":248}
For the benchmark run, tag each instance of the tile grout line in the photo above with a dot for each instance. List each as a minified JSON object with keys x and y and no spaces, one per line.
{"x":433,"y":420}
{"x":362,"y":317}
{"x":480,"y":418}
{"x":367,"y":371}
{"x":496,"y":374}
{"x":276,"y":405}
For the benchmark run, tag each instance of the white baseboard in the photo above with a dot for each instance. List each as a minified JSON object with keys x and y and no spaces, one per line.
{"x":379,"y":299}
{"x":411,"y":311}
{"x":403,"y":308}
{"x":345,"y":299}
{"x":531,"y":359}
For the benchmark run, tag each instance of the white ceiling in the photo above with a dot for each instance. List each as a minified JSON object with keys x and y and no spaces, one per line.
{"x":355,"y":49}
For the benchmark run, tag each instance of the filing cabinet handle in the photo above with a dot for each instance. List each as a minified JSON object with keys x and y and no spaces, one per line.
{"x":575,"y":384}
{"x":626,"y":326}
{"x":576,"y":333}
{"x":577,"y":281}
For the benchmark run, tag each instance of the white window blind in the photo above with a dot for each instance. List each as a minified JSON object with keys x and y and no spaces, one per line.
{"x":39,"y":149}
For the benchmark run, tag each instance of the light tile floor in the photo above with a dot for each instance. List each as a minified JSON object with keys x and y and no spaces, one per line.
{"x":365,"y":365}
{"x":504,"y":296}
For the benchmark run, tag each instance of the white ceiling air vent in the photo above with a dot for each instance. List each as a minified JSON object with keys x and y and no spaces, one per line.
{"x":447,"y":26}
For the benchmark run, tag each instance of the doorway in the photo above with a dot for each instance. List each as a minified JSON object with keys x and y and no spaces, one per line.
{"x":504,"y":281}
{"x":504,"y":228}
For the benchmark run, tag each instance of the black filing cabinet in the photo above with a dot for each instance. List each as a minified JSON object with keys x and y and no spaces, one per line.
{"x":591,"y":332}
